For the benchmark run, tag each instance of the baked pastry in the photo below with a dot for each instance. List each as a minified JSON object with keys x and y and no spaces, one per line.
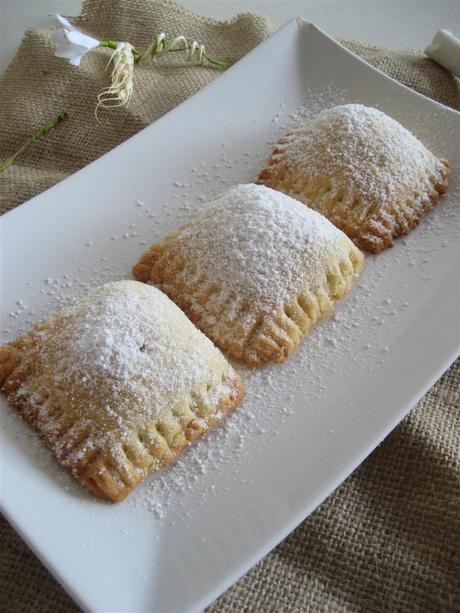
{"x":254,"y":270}
{"x":118,"y":384}
{"x":361,"y":169}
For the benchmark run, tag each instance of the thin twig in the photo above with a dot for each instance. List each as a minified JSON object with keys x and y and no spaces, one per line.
{"x":39,"y":132}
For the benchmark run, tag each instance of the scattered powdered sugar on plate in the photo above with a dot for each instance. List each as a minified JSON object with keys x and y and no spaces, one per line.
{"x":363,"y":333}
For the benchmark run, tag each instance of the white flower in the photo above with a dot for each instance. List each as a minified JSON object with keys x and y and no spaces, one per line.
{"x":72,"y":44}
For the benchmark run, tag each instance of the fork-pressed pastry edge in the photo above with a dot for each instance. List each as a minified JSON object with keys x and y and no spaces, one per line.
{"x":274,"y":336}
{"x":381,"y":228}
{"x":114,"y":475}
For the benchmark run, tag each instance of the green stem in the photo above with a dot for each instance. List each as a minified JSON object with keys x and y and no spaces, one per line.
{"x":220,"y":63}
{"x":208,"y":58}
{"x":111,"y":44}
{"x":149,"y":52}
{"x":152,"y":50}
{"x":105,"y":42}
{"x":42,"y":130}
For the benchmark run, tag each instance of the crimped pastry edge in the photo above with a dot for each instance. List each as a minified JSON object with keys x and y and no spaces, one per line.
{"x":115,"y":475}
{"x":275,"y":336}
{"x":380,"y":229}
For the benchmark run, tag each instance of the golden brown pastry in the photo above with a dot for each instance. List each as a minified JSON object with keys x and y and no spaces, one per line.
{"x":361,"y":169}
{"x":254,"y":270}
{"x":118,"y":384}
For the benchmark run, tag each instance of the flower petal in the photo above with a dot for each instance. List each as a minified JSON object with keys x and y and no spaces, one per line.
{"x":78,"y":38}
{"x":76,"y":59}
{"x":65,"y":22}
{"x":68,"y":50}
{"x":65,"y":53}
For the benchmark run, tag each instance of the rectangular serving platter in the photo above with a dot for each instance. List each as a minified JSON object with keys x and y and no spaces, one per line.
{"x":187,"y":535}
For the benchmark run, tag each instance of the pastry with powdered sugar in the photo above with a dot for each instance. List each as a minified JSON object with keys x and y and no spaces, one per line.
{"x":118,"y":384}
{"x":361,"y":169}
{"x":253,"y":270}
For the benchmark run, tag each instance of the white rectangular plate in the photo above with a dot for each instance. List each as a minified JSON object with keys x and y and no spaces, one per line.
{"x":190,"y":532}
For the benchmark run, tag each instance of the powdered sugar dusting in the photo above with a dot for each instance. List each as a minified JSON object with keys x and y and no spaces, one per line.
{"x":262,"y":246}
{"x":119,"y":358}
{"x":370,"y":153}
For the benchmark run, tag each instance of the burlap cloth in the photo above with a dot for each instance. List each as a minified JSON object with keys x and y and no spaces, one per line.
{"x":389,"y":538}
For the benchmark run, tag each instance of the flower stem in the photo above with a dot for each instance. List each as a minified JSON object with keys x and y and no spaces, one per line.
{"x":151,"y":51}
{"x":105,"y":42}
{"x":111,"y":44}
{"x":157,"y":47}
{"x":220,"y":63}
{"x":208,"y":58}
{"x":39,"y":132}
